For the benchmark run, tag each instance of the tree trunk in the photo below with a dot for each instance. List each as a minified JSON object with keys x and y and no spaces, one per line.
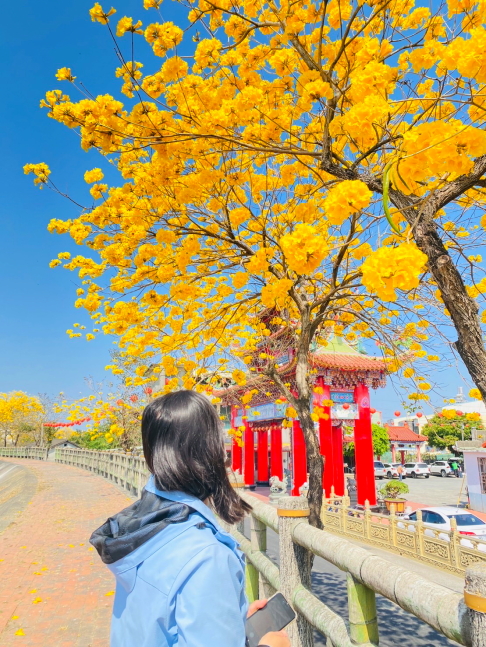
{"x":462,"y":308}
{"x":314,"y":458}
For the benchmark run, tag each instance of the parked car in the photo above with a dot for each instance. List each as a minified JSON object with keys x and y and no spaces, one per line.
{"x":417,"y":469}
{"x":380,"y":471}
{"x":391,"y":470}
{"x":441,"y":468}
{"x":440,"y":519}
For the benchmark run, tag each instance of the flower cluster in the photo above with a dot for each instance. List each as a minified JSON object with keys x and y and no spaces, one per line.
{"x":391,"y":268}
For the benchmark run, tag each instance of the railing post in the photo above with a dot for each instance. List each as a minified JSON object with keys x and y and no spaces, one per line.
{"x":258,"y":539}
{"x":363,"y":625}
{"x":419,"y":529}
{"x":295,"y":563}
{"x":475,"y":599}
{"x":367,"y":520}
{"x":393,"y":525}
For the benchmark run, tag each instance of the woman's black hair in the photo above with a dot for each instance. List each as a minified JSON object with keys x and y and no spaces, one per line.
{"x":184,"y":449}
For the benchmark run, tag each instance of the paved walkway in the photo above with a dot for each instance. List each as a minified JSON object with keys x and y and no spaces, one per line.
{"x":54,"y":590}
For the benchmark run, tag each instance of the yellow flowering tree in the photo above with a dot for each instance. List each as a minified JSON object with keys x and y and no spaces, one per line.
{"x":305,"y":168}
{"x":21,"y":418}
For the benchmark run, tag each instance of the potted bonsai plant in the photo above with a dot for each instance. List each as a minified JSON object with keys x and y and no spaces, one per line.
{"x":390,"y":493}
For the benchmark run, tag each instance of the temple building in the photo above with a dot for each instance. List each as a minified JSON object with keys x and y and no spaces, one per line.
{"x":342,"y":374}
{"x":403,"y":441}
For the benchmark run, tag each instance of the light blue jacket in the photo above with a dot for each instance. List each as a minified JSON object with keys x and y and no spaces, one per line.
{"x":184,"y":586}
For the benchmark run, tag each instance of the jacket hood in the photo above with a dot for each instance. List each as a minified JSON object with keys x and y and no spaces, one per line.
{"x":126,"y":531}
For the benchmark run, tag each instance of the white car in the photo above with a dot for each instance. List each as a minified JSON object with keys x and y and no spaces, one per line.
{"x":380,"y":471}
{"x":440,"y":519}
{"x":391,"y":470}
{"x":441,"y":468}
{"x":417,"y":469}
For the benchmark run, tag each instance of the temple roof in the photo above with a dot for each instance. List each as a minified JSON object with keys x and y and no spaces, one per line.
{"x":339,"y":364}
{"x":404,"y":434}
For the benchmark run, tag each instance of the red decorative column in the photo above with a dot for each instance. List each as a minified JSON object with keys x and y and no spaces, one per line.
{"x":262,"y":478}
{"x":325,"y":441}
{"x":402,"y":456}
{"x":365,"y":473}
{"x":237,"y":450}
{"x":338,"y":460}
{"x":299,"y":456}
{"x":276,"y":458}
{"x":419,"y":457}
{"x":249,"y":468}
{"x":394,"y":454}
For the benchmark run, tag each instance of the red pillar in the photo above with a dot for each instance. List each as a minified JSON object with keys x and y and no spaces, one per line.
{"x":365,"y":473}
{"x":299,"y":458}
{"x":262,"y":458}
{"x":402,"y":456}
{"x":276,"y":458}
{"x":249,"y":454}
{"x":338,"y":460}
{"x":394,"y":455}
{"x":325,"y":442}
{"x":237,"y":450}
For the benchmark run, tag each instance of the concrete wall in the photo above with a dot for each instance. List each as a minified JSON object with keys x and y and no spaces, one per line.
{"x":477,"y":499}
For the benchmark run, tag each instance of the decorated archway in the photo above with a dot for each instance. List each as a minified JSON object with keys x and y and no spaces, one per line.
{"x":343,"y":378}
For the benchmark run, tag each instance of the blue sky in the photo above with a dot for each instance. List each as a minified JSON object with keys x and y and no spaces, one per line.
{"x":37,"y":302}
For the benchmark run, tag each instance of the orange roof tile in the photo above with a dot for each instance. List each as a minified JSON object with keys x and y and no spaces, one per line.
{"x":348,"y":362}
{"x":404,"y":434}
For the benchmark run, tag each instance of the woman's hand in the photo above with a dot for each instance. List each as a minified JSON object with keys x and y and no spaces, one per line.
{"x":255,"y":606}
{"x":275,"y":639}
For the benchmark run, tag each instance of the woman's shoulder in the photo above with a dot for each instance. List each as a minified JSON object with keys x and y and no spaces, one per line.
{"x":196,"y":546}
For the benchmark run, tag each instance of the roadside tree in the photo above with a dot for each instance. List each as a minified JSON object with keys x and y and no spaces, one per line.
{"x":445,"y":429}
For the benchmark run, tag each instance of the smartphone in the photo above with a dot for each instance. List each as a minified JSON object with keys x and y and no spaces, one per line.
{"x":274,"y":616}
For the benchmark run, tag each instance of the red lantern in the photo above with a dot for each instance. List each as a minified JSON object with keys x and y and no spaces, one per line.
{"x":134,"y":398}
{"x":345,"y":405}
{"x":419,"y":414}
{"x":397,"y":413}
{"x":148,"y":390}
{"x":459,"y":413}
{"x":372,"y":410}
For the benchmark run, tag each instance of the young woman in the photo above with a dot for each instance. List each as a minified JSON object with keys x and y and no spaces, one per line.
{"x":179,"y":575}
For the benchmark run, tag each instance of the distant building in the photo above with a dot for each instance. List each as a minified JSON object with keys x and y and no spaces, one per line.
{"x":404,"y":440}
{"x":60,"y":444}
{"x":475,"y":468}
{"x":416,"y":423}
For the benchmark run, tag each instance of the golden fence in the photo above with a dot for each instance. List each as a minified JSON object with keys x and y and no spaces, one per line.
{"x":448,"y":550}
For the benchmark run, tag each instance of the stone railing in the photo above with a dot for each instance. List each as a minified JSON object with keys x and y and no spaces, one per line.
{"x":366,"y":576}
{"x":40,"y":453}
{"x":449,"y":551}
{"x":126,"y":470}
{"x":457,"y":617}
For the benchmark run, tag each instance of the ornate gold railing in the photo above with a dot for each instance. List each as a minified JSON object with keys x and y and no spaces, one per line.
{"x":448,"y":550}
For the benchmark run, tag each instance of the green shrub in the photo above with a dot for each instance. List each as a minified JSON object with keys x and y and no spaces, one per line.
{"x":393,"y":488}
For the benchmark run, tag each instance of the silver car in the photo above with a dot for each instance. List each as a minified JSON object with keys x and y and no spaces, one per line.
{"x":380,"y":471}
